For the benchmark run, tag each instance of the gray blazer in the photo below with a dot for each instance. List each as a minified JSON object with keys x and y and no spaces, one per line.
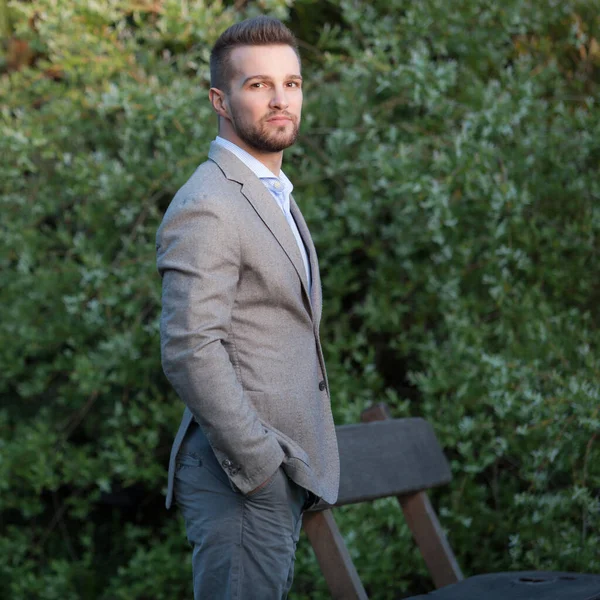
{"x":239,"y":332}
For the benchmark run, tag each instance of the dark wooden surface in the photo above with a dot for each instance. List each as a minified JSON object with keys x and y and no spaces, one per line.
{"x":389,"y":458}
{"x":521,"y":585}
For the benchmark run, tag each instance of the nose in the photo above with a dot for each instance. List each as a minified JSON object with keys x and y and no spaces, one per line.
{"x":279,"y":98}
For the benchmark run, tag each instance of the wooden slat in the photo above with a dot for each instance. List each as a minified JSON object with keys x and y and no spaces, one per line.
{"x":388,"y":458}
{"x":333,"y":557}
{"x":430,"y":538}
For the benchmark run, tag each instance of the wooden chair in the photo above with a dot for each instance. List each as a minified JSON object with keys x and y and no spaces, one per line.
{"x":384,"y":457}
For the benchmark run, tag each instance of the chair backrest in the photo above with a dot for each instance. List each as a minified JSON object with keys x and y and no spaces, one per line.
{"x":389,"y":458}
{"x":383,"y":457}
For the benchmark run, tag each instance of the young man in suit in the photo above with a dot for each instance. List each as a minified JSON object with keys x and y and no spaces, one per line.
{"x":240,"y":331}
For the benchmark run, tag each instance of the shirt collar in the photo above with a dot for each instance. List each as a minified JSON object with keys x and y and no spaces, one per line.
{"x":254,"y":164}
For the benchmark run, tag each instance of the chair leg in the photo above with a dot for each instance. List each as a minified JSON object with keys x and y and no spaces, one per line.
{"x":429,"y":536}
{"x":333,"y":556}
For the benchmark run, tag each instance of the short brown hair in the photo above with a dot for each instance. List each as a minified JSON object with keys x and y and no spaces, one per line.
{"x":258,"y":31}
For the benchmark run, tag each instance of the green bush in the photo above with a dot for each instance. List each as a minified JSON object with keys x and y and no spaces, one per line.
{"x":449,"y":169}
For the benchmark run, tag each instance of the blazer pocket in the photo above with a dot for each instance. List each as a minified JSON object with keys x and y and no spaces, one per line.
{"x":280,"y":417}
{"x":291,"y":448}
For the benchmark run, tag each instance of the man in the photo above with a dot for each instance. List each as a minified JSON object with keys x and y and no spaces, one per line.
{"x":240,"y":331}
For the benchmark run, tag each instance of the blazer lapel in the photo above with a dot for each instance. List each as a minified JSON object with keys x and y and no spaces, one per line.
{"x":315,"y":288}
{"x":264,"y":204}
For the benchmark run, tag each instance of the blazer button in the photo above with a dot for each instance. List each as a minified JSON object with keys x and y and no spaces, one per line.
{"x":322,"y":385}
{"x":227,"y":463}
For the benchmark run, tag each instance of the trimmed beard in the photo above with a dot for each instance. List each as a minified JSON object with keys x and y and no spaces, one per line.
{"x":257,"y":136}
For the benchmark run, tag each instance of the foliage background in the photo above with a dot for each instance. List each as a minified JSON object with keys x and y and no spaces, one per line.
{"x":449,"y":169}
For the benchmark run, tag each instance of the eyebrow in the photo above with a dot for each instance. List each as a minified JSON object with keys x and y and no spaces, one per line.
{"x":269,"y":78}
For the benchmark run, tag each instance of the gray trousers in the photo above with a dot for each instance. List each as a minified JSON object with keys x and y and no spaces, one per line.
{"x":243,"y":546}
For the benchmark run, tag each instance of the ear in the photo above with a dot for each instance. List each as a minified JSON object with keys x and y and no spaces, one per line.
{"x":218,"y":99}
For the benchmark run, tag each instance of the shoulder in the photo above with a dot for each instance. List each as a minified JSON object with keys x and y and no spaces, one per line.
{"x":207,"y":194}
{"x":208,"y":181}
{"x":207,"y":188}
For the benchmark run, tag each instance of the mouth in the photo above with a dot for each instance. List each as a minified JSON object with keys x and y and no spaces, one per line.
{"x":279,"y":120}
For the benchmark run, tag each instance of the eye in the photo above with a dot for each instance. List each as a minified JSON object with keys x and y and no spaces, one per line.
{"x":257,"y":85}
{"x":294,"y":84}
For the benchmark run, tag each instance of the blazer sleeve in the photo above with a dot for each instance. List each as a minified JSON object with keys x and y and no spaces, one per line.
{"x":199,"y":259}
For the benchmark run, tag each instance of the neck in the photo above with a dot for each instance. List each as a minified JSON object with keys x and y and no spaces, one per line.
{"x":271,"y":160}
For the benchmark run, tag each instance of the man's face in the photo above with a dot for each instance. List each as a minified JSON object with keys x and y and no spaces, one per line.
{"x":265,"y":96}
